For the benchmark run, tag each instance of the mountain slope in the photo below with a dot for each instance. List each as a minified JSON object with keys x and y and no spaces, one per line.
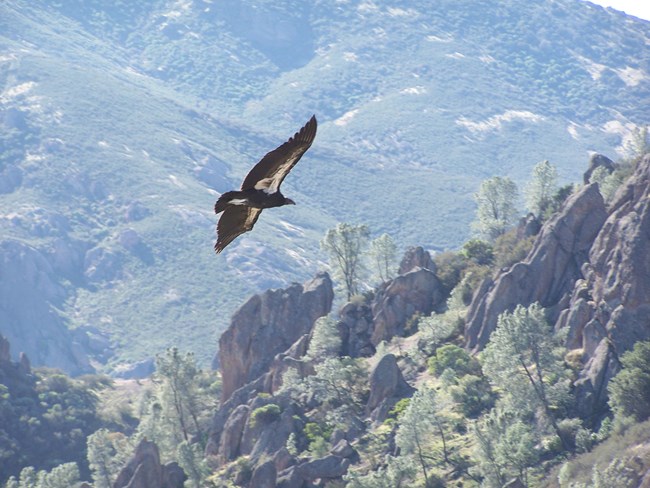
{"x":121,"y":122}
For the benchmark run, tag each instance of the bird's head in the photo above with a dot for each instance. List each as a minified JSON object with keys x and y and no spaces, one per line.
{"x":288,"y":201}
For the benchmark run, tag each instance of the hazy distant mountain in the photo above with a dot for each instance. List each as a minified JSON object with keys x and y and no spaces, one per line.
{"x":121,"y":122}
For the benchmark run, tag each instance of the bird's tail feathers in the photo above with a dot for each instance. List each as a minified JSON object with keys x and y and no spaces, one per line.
{"x":222,"y":202}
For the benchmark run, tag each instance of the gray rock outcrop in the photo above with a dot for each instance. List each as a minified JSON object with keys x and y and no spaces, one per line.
{"x":416,"y":290}
{"x":416,"y":257}
{"x":387,"y":386}
{"x":398,"y":300}
{"x":590,"y":267}
{"x":268,"y":324}
{"x":610,"y":309}
{"x":145,"y":471}
{"x":355,"y":327}
{"x":264,"y":475}
{"x":325,"y":468}
{"x":548,"y":273}
{"x":598,"y":161}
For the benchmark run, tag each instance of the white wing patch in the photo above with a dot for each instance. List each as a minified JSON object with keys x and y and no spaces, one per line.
{"x":280,"y":173}
{"x":238,"y":201}
{"x":265,"y":184}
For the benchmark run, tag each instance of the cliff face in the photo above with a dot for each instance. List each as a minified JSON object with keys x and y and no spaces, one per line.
{"x":548,"y":273}
{"x":590,"y":266}
{"x":610,"y":309}
{"x":269,"y":324}
{"x":30,"y":297}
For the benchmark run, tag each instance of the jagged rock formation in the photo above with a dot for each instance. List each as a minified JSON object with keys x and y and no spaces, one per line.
{"x":387,"y":386}
{"x":416,"y":257}
{"x":29,"y":278}
{"x":416,"y":290}
{"x":548,"y":273}
{"x":598,"y":161}
{"x":590,"y":266}
{"x":145,"y":471}
{"x":10,"y":370}
{"x":269,"y":333}
{"x":355,"y":327}
{"x":528,"y":226}
{"x":269,"y":324}
{"x":325,"y":468}
{"x":610,"y":309}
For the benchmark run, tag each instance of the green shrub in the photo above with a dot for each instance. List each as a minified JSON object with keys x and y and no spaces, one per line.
{"x":266,"y":414}
{"x":318,"y":436}
{"x":474,"y":395}
{"x":478,"y":251}
{"x":629,"y":391}
{"x":455,"y":358}
{"x":449,"y":269}
{"x":399,"y":408}
{"x":509,"y":249}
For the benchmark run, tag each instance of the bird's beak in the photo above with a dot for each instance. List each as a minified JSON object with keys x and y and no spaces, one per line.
{"x":290,"y":202}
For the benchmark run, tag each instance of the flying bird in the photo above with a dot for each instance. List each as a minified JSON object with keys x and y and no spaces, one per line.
{"x":261,"y":188}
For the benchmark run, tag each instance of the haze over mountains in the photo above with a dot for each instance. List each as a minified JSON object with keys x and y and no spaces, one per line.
{"x":122,"y":121}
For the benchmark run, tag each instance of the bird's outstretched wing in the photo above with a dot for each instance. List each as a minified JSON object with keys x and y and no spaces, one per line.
{"x":234,"y":221}
{"x":269,"y":173}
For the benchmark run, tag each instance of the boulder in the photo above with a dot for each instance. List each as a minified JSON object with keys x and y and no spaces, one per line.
{"x":264,"y":476}
{"x":325,"y":468}
{"x":355,"y":327}
{"x":387,"y":386}
{"x":398,"y":300}
{"x":232,"y":433}
{"x":268,"y":324}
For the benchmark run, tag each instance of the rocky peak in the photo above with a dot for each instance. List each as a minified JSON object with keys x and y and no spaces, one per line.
{"x":268,"y":324}
{"x":398,"y":300}
{"x":598,"y":161}
{"x":416,"y":257}
{"x":5,"y":350}
{"x":145,"y":471}
{"x":416,"y":290}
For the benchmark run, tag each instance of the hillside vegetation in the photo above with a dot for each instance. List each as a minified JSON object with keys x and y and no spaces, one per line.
{"x":122,"y":121}
{"x":366,"y":399}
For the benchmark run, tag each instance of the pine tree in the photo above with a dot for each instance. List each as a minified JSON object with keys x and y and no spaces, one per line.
{"x":525,"y":362}
{"x":542,"y":188}
{"x":107,"y":453}
{"x":325,"y":339}
{"x":345,"y":245}
{"x":496,"y":209}
{"x":382,"y":255}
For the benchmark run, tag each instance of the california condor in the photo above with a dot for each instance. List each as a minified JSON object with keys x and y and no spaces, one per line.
{"x":261,"y":187}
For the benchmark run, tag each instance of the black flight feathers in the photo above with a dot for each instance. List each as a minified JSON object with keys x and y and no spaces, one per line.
{"x":261,"y":187}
